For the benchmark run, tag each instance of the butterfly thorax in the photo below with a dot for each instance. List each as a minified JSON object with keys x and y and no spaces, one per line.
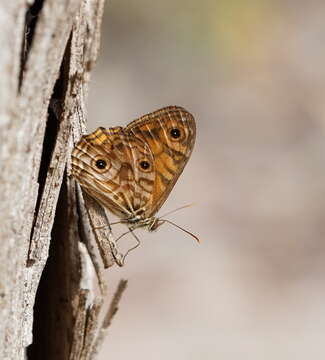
{"x":151,"y":223}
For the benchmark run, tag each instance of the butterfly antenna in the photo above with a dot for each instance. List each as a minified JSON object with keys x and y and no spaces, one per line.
{"x":179,"y":227}
{"x":180,"y":208}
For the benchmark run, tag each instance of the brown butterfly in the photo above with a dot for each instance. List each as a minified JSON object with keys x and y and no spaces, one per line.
{"x":132,"y":170}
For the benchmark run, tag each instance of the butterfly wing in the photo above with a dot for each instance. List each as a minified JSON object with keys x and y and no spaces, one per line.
{"x":170,"y":135}
{"x":115,"y":168}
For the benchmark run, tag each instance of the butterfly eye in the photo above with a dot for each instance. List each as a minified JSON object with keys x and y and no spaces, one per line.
{"x":144,"y":165}
{"x":101,"y":164}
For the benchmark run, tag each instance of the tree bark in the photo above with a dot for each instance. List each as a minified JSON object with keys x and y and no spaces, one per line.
{"x":48,"y":266}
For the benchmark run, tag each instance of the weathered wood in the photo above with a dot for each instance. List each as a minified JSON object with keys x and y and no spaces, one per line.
{"x":47,"y":54}
{"x":99,"y":224}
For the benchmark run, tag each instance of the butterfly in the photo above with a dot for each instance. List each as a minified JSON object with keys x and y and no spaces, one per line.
{"x":131,"y":170}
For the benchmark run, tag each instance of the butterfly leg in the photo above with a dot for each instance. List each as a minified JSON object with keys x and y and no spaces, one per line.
{"x":134,"y":247}
{"x":108,"y":225}
{"x":122,"y":235}
{"x":120,"y":259}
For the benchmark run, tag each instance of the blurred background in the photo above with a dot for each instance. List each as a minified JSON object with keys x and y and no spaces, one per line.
{"x":252,"y":73}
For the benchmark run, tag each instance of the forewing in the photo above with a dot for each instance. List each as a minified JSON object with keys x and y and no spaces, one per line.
{"x":170,"y":153}
{"x":121,"y":185}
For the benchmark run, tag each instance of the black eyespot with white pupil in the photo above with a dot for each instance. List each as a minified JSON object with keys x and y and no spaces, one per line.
{"x":175,"y":133}
{"x":145,"y":165}
{"x":101,"y":164}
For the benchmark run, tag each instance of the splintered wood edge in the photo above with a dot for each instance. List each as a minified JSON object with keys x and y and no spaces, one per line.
{"x":111,"y":312}
{"x":88,"y":309}
{"x":51,"y":36}
{"x":40,"y":242}
{"x":88,"y":327}
{"x":101,"y":228}
{"x":91,"y":330}
{"x":45,"y":217}
{"x":85,"y":327}
{"x":87,"y":236}
{"x":114,"y":303}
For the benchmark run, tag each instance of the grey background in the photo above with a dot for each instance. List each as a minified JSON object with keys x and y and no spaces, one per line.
{"x":252,"y":73}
